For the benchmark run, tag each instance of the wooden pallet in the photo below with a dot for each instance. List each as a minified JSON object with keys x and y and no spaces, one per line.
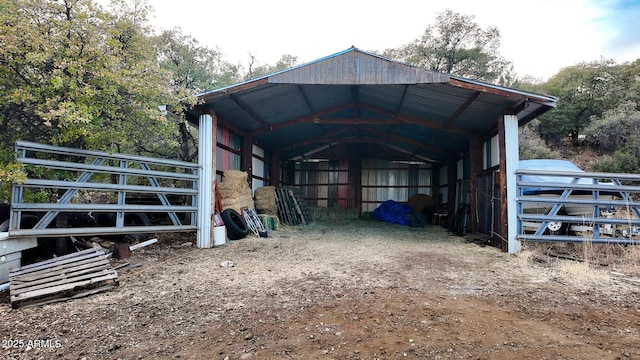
{"x":66,"y":277}
{"x":292,"y":207}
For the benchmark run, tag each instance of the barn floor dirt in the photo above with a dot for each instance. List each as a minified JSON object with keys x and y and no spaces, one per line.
{"x":337,"y":290}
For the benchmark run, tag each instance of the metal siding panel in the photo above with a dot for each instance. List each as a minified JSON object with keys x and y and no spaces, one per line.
{"x":357,"y":68}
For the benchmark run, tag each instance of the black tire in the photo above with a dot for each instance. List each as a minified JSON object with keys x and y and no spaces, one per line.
{"x":61,"y":246}
{"x":4,"y":226}
{"x":558,"y":227}
{"x":5,"y":212}
{"x":235,"y":223}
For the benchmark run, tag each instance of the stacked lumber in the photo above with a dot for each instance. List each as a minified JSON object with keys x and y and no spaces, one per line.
{"x":62,"y":278}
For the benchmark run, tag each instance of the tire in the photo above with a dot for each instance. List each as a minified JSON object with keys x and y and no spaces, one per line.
{"x":4,"y":226}
{"x":130,"y":219}
{"x":557,"y":227}
{"x":5,"y":212}
{"x":235,"y":223}
{"x":61,"y":246}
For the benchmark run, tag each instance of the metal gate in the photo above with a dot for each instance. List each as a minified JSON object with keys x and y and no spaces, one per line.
{"x":66,"y":181}
{"x":579,"y":206}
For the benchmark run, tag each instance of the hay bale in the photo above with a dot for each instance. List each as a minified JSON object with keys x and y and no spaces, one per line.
{"x":234,"y":176}
{"x":319,"y":212}
{"x":335,"y":212}
{"x":235,"y":192}
{"x":266,"y":200}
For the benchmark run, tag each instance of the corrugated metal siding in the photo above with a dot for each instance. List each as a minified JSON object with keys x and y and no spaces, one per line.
{"x":226,"y":159}
{"x":357,"y":68}
{"x":260,"y":168}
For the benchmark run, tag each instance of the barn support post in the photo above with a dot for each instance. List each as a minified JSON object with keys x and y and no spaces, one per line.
{"x":475,"y":167}
{"x":509,"y":158}
{"x":355,"y":167}
{"x":207,"y":163}
{"x":275,"y":168}
{"x":452,"y":187}
{"x":246,"y":158}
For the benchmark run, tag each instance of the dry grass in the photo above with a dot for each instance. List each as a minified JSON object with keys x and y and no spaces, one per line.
{"x":585,"y":261}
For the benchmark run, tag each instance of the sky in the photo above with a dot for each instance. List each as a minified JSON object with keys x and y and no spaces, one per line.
{"x":538,"y":37}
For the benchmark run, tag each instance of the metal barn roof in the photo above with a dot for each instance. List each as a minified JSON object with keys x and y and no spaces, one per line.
{"x":358,"y":102}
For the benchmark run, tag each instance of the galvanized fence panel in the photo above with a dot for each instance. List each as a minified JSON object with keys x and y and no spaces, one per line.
{"x":71,"y":179}
{"x":578,"y":207}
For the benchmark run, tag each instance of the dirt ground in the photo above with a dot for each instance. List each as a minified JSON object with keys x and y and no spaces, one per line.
{"x":339,"y":290}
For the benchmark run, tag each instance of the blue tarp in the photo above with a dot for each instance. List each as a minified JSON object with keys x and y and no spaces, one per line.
{"x":393,"y":213}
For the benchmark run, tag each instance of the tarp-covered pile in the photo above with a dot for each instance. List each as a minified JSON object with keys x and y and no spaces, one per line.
{"x":393,"y":213}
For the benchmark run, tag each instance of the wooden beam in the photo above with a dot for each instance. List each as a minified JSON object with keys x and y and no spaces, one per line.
{"x":455,"y":116}
{"x":503,"y":185}
{"x":392,"y":119}
{"x":274,"y":168}
{"x":355,"y":169}
{"x":312,"y":118}
{"x":452,"y":183}
{"x":487,"y":89}
{"x":419,"y":121}
{"x":204,"y":109}
{"x":403,"y":139}
{"x":475,"y":166}
{"x":329,"y":137}
{"x":246,"y":157}
{"x":462,"y":109}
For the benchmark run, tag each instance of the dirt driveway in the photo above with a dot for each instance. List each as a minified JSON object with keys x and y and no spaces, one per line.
{"x":337,"y":290}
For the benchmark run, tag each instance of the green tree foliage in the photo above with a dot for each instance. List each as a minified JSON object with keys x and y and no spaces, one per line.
{"x":75,"y":75}
{"x":531,"y":145}
{"x":617,"y":132}
{"x":285,"y":62}
{"x":11,"y":172}
{"x":192,"y":66}
{"x":585,"y":90}
{"x":192,"y":69}
{"x":457,"y":45}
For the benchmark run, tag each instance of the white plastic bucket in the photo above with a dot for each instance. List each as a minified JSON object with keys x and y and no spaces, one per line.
{"x":219,"y":236}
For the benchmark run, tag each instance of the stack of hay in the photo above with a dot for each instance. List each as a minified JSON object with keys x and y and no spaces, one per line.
{"x":266,"y":200}
{"x":267,"y":207}
{"x":235,"y":192}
